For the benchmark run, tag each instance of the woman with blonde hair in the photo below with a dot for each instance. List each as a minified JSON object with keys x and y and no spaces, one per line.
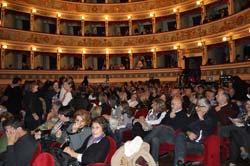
{"x":77,"y":132}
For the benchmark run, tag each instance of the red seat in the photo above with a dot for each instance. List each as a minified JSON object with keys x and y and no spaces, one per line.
{"x":210,"y":157}
{"x":54,"y":144}
{"x":142,"y":112}
{"x":37,"y":152}
{"x":44,"y":159}
{"x":224,"y":143}
{"x":111,"y":152}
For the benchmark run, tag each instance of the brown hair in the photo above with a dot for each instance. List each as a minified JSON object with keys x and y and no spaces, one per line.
{"x":85,"y":115}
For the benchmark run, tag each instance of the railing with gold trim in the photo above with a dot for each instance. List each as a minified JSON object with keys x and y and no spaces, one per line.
{"x":117,"y":12}
{"x":236,"y":26}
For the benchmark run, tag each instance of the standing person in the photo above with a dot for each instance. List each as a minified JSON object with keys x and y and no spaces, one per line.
{"x":66,"y":92}
{"x":32,"y":106}
{"x":12,"y":97}
{"x":21,"y":145}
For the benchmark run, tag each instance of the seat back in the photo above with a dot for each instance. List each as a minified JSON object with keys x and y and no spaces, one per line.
{"x":112,"y":149}
{"x":212,"y":150}
{"x":44,"y":159}
{"x":37,"y":152}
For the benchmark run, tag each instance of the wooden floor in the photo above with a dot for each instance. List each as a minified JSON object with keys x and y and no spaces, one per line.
{"x":167,"y":160}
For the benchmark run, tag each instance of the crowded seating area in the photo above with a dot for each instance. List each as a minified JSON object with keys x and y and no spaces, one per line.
{"x":125,"y":83}
{"x":88,"y":123}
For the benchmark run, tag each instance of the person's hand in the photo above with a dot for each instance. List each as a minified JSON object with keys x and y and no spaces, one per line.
{"x":106,"y":116}
{"x":38,"y":135}
{"x":35,"y":116}
{"x":71,"y":152}
{"x":11,"y":134}
{"x":172,"y":114}
{"x":75,"y":127}
{"x":59,"y":133}
{"x":192,"y":136}
{"x":142,"y":118}
{"x":201,"y":114}
{"x":217,"y":108}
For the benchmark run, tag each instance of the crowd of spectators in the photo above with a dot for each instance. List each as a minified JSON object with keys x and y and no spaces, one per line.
{"x":80,"y":118}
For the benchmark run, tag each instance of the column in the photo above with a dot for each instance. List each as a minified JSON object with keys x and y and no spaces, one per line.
{"x":2,"y":58}
{"x":106,"y":1}
{"x":83,"y":27}
{"x":154,"y":58}
{"x":129,"y":0}
{"x":58,"y":24}
{"x":58,"y":61}
{"x":181,"y":61}
{"x":130,"y":26}
{"x":231,"y":44}
{"x":131,"y":60}
{"x":83,"y":61}
{"x":82,"y":1}
{"x":204,"y":54}
{"x":2,"y":15}
{"x":153,"y":24}
{"x":107,"y":60}
{"x":203,"y":12}
{"x":32,"y":60}
{"x":178,"y":20}
{"x":32,"y":21}
{"x":230,"y":7}
{"x":106,"y":27}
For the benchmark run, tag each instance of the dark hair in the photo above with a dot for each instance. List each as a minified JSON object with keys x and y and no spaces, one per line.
{"x":16,"y":80}
{"x":102,"y":122}
{"x":66,"y":111}
{"x":14,"y":123}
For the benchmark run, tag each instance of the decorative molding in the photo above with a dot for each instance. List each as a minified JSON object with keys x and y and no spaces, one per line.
{"x":93,"y":11}
{"x":237,"y":25}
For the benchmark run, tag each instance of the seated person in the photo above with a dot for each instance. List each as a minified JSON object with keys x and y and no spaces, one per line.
{"x":96,"y":147}
{"x":21,"y":145}
{"x":191,"y":140}
{"x":52,"y":117}
{"x":155,"y":116}
{"x":3,"y":138}
{"x":240,"y":137}
{"x":77,"y":132}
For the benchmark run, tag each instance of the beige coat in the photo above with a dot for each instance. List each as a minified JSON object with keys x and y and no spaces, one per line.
{"x":120,"y":159}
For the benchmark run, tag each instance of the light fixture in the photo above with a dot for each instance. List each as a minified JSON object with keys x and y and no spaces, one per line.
{"x":33,"y":48}
{"x":33,"y":10}
{"x":175,"y":10}
{"x":59,"y":14}
{"x":130,"y":51}
{"x":107,"y":51}
{"x":129,"y":17}
{"x":83,"y":18}
{"x":151,"y":14}
{"x":176,"y":47}
{"x":83,"y":51}
{"x":198,"y":2}
{"x":59,"y":50}
{"x":4,"y":4}
{"x":106,"y":18}
{"x":199,"y":43}
{"x":4,"y":46}
{"x":153,"y":50}
{"x":224,"y":38}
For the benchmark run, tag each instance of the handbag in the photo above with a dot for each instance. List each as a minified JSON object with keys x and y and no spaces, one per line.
{"x":63,"y":159}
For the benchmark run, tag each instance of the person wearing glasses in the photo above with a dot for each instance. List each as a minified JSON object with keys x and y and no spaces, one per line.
{"x":190,"y":140}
